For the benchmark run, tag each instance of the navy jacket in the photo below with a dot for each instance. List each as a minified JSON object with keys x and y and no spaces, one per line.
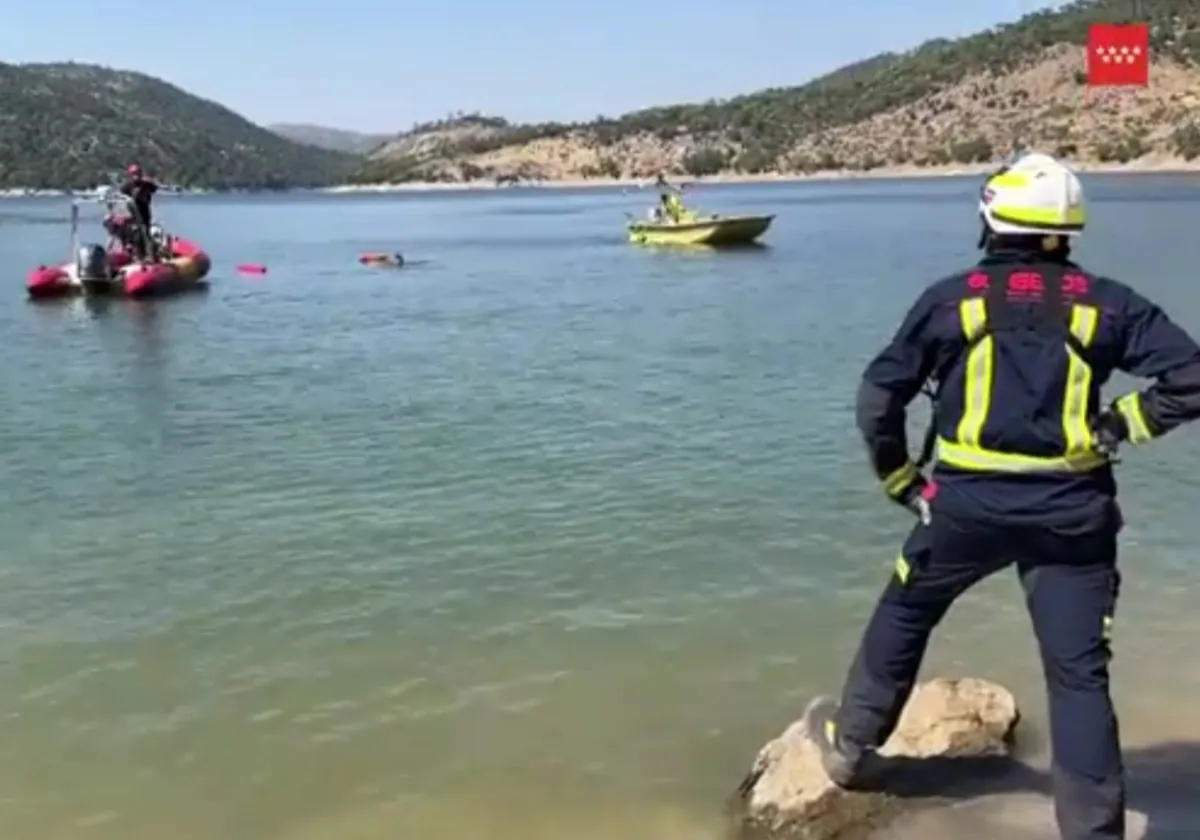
{"x":1019,"y":347}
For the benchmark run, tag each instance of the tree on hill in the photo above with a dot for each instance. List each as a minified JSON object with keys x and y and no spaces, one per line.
{"x":69,"y":125}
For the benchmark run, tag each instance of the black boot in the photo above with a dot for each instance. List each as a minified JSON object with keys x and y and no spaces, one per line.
{"x":845,"y":764}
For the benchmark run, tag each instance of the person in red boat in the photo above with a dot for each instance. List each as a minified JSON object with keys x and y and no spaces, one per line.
{"x":140,"y":191}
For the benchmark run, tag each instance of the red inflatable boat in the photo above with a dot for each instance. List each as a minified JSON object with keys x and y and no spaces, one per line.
{"x":180,"y":266}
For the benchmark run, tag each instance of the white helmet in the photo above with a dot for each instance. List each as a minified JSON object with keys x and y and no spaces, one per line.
{"x":1037,"y":195}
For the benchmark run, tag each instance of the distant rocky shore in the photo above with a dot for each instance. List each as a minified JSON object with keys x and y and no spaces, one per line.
{"x":1148,"y":166}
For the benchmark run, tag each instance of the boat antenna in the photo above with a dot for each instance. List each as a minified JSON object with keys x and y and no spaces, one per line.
{"x":74,"y":230}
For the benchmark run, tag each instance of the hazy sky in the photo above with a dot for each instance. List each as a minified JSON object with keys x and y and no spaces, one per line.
{"x":379,"y":65}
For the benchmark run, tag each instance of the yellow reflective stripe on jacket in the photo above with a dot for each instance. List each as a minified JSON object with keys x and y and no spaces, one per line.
{"x":966,"y":453}
{"x":895,"y":483}
{"x":1130,"y":407}
{"x":977,"y":392}
{"x":1077,"y":433}
{"x":987,"y":460}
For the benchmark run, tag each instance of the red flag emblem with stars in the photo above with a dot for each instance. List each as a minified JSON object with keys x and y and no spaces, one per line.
{"x":1118,"y":55}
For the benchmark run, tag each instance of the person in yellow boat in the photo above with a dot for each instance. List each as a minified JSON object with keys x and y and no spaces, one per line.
{"x":671,"y":200}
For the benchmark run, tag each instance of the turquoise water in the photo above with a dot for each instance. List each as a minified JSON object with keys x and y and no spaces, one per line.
{"x":540,"y":537}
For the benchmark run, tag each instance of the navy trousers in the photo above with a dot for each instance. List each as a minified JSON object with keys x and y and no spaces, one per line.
{"x":1071,"y":586}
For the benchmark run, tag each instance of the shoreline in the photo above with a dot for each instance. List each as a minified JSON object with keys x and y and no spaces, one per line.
{"x":1146,"y":166}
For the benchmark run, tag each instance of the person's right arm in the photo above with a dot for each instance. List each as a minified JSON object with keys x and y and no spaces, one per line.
{"x":891,"y":381}
{"x":1154,"y":347}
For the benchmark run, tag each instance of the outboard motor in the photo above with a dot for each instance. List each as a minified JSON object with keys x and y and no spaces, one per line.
{"x":92,"y":263}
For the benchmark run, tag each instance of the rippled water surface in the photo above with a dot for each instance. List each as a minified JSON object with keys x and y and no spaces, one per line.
{"x":540,"y":537}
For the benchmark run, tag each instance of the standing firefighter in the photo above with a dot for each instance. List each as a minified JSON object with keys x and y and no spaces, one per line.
{"x":140,"y":190}
{"x":1020,"y":346}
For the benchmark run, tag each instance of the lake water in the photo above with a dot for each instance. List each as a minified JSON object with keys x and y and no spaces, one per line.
{"x":540,"y":537}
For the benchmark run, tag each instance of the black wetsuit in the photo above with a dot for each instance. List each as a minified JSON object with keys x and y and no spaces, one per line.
{"x":141,"y":191}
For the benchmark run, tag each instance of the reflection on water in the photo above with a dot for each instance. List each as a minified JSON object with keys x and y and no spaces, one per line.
{"x":528,"y":547}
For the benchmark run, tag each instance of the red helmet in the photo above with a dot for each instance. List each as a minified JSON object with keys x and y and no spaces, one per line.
{"x":134,"y":170}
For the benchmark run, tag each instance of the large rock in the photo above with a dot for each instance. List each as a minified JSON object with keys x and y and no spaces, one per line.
{"x":954,"y":735}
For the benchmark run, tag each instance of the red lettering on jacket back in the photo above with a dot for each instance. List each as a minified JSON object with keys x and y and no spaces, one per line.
{"x":1025,"y":285}
{"x":1030,"y":285}
{"x":1075,"y":285}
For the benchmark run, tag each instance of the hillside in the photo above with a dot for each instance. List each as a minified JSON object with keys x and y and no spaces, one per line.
{"x":963,"y":100}
{"x":333,"y":139}
{"x":70,"y":125}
